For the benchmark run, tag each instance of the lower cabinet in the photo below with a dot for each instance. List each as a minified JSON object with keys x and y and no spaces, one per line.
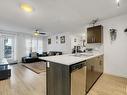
{"x":94,"y":71}
{"x":76,"y":79}
{"x":66,"y":80}
{"x":58,"y":79}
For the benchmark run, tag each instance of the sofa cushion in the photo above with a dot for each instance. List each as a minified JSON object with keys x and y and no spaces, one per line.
{"x":52,"y":53}
{"x":34,"y":55}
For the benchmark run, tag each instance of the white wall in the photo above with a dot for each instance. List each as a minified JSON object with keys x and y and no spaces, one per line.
{"x":21,"y":49}
{"x":115,"y":53}
{"x":54,"y":46}
{"x":69,"y":42}
{"x":44,"y":44}
{"x":79,"y":40}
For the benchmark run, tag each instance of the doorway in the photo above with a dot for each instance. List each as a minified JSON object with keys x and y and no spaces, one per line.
{"x":8,"y":46}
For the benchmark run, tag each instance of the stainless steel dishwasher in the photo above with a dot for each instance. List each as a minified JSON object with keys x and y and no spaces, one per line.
{"x":78,"y":78}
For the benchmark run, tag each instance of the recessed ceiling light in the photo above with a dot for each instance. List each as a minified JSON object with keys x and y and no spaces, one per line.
{"x":26,"y":7}
{"x":118,"y":2}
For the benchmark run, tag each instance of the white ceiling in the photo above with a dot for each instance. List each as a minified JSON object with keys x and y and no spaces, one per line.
{"x":57,"y":15}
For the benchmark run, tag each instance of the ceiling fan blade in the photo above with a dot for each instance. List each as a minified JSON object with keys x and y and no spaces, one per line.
{"x":43,"y":33}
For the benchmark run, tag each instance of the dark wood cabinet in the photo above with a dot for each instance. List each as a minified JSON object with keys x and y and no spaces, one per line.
{"x":66,"y":79}
{"x":75,"y":79}
{"x":95,"y":34}
{"x":58,"y":79}
{"x":94,"y":71}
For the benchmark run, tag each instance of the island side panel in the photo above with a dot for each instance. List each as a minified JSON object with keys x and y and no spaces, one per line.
{"x":58,"y":79}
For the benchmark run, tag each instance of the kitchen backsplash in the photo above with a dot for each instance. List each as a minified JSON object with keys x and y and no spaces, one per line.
{"x":98,"y":47}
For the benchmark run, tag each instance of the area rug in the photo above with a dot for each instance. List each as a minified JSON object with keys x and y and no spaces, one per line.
{"x":37,"y":67}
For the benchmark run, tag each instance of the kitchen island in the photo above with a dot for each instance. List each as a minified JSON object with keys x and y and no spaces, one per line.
{"x":72,"y":74}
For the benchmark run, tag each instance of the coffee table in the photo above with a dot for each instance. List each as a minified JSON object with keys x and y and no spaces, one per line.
{"x":5,"y":72}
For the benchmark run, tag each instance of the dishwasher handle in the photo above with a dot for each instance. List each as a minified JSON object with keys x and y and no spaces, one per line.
{"x":77,"y":66}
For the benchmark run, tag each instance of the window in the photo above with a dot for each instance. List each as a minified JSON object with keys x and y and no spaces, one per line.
{"x":8,"y":46}
{"x":40,"y":46}
{"x":34,"y":45}
{"x":28,"y":46}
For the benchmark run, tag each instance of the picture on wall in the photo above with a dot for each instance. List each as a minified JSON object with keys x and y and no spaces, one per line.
{"x":49,"y":41}
{"x":62,"y":39}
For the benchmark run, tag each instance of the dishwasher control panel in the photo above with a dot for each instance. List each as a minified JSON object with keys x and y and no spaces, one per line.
{"x":77,"y":66}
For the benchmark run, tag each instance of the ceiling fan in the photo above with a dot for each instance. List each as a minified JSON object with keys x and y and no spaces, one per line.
{"x":37,"y":32}
{"x":94,"y":21}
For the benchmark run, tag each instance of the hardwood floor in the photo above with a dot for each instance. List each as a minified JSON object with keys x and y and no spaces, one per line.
{"x":109,"y":85}
{"x":25,"y":82}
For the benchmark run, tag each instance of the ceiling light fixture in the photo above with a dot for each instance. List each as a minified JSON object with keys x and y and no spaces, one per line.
{"x":36,"y":33}
{"x":26,"y":7}
{"x":118,"y":2}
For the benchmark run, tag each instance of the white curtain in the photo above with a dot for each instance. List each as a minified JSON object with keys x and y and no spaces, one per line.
{"x":28,"y":46}
{"x":34,"y":44}
{"x":0,"y":46}
{"x":40,"y":46}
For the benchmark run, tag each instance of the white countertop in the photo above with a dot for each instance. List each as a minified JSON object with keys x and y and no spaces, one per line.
{"x":69,"y":59}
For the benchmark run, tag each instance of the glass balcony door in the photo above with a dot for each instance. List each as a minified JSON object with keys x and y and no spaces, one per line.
{"x":7,"y":47}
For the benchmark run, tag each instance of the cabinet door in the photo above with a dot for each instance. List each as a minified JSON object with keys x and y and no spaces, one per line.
{"x":91,"y":75}
{"x":101,"y":63}
{"x":94,"y":70}
{"x":98,"y":63}
{"x":95,"y":34}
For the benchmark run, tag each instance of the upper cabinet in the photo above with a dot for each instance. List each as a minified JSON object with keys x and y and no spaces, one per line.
{"x":95,"y":34}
